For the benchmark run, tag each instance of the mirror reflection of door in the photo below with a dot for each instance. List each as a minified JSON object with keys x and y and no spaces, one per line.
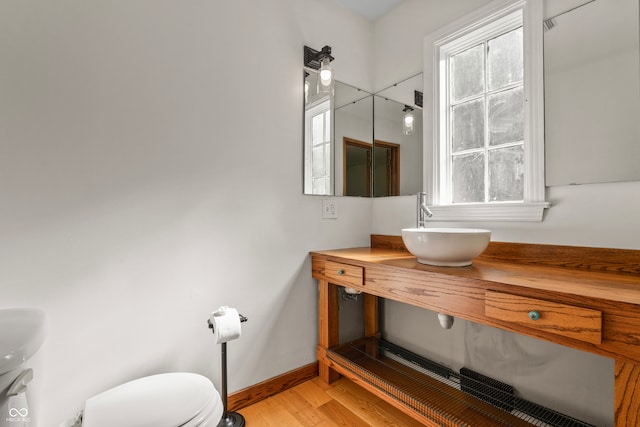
{"x":360,"y":158}
{"x":386,"y":161}
{"x":357,"y":168}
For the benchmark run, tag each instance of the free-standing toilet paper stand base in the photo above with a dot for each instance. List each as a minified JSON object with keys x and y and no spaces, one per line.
{"x":229,"y":419}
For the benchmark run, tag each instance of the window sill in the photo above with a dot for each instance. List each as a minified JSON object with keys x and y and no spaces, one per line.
{"x":516,"y":212}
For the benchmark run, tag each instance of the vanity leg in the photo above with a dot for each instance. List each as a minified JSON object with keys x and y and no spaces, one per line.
{"x":328,"y":327}
{"x":627,"y":394}
{"x":370,"y":315}
{"x":371,"y":324}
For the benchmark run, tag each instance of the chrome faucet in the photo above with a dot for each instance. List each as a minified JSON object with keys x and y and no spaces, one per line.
{"x":422,"y":210}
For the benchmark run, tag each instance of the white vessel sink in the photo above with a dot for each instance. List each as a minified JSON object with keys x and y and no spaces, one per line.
{"x":450,"y":247}
{"x":22,"y":332}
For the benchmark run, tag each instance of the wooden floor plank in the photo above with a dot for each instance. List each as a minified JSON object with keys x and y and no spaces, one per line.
{"x":256,"y":414}
{"x":300,"y":408}
{"x":314,"y":391}
{"x":370,"y":408}
{"x":269,"y":413}
{"x":341,"y":416}
{"x":317,"y":404}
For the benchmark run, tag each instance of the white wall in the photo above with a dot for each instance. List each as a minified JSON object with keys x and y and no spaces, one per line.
{"x":398,"y":36}
{"x":150,"y":171}
{"x":599,"y":215}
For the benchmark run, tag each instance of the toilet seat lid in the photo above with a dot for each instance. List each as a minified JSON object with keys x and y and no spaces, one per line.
{"x":164,"y":400}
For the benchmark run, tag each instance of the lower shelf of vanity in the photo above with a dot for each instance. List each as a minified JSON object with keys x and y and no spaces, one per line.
{"x":436,"y":394}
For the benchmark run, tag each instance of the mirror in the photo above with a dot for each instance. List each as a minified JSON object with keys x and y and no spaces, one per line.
{"x":353,"y":134}
{"x":342,"y":156}
{"x":397,"y":155}
{"x":338,"y":134}
{"x":592,"y":93}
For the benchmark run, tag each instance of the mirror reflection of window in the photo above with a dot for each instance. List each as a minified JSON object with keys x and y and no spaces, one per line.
{"x":318,"y":152}
{"x":318,"y":128}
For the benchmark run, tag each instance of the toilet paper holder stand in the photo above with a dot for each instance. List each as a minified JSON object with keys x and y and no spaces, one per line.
{"x":229,"y":419}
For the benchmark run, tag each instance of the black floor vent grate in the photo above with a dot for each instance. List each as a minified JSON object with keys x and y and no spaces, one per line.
{"x":502,"y":395}
{"x":492,"y":391}
{"x":440,"y":394}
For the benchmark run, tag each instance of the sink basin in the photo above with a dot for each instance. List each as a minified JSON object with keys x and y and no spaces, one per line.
{"x":22,"y":331}
{"x":450,"y":247}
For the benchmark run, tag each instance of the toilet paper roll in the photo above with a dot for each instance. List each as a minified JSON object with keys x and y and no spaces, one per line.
{"x":226,"y":324}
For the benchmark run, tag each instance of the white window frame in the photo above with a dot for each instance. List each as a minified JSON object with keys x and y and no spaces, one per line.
{"x":435,"y":172}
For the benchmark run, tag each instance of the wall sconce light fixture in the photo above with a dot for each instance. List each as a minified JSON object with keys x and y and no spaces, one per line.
{"x":408,"y":122}
{"x":321,"y":60}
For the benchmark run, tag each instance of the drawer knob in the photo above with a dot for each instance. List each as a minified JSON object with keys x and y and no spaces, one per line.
{"x":340,"y":272}
{"x":534,"y":315}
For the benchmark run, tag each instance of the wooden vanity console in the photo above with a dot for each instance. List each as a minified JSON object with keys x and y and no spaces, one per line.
{"x":584,"y":298}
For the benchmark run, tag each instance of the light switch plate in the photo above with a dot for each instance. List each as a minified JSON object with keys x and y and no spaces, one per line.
{"x":329,"y":208}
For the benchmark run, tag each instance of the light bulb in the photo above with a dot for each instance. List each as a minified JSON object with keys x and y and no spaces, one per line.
{"x":325,"y":82}
{"x":325,"y":76}
{"x":408,"y":121}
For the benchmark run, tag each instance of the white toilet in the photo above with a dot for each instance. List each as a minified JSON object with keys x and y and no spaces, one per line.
{"x":164,"y":400}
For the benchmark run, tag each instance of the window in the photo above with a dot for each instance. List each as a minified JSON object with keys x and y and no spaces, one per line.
{"x":485,"y":108}
{"x":318,"y":155}
{"x":485,"y":135}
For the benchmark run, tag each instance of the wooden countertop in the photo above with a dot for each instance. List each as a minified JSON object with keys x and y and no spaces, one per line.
{"x":604,"y":280}
{"x":611,"y":286}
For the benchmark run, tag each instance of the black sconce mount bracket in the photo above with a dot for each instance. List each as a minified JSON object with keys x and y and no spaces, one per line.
{"x":313,"y":57}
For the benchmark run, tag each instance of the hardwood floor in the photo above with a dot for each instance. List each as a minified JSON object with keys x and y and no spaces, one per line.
{"x":314,"y":403}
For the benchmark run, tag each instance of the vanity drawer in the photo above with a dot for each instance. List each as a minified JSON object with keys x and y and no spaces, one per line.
{"x":579,"y":323}
{"x":344,"y":274}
